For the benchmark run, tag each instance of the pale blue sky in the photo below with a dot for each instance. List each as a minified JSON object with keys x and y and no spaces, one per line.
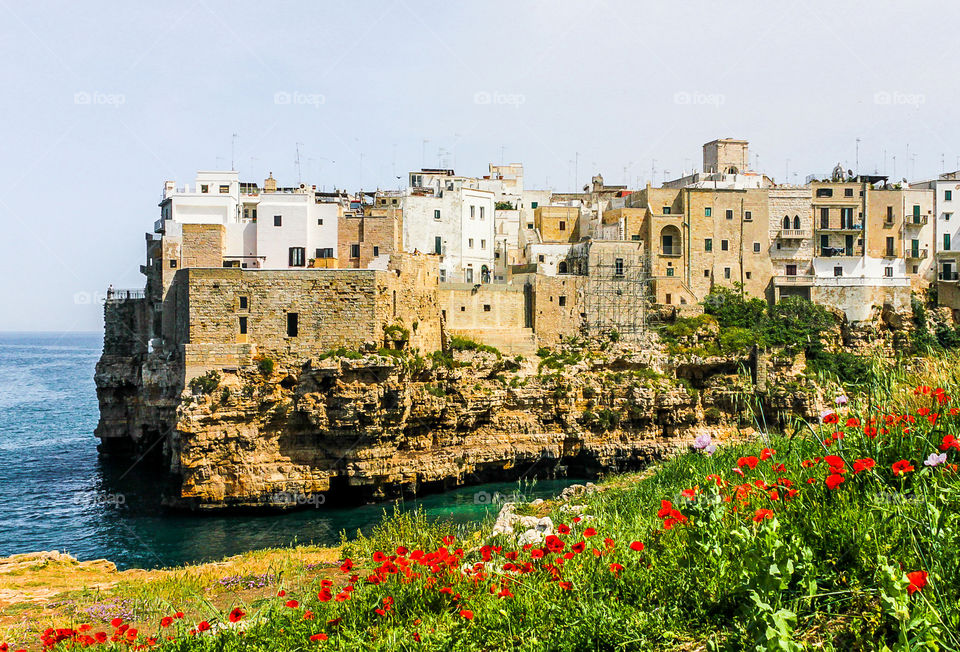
{"x":103,"y":102}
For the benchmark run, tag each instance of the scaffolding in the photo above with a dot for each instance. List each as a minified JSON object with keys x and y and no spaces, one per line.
{"x":616,"y":288}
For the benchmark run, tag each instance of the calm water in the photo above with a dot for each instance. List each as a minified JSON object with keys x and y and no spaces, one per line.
{"x":55,"y":494}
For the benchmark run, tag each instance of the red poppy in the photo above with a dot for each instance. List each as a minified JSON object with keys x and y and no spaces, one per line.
{"x":578,"y":547}
{"x":589,"y":532}
{"x":767,"y":453}
{"x":203,"y":626}
{"x":466,"y":613}
{"x":319,"y":637}
{"x":762,"y":514}
{"x":293,"y":604}
{"x":665,"y":508}
{"x":831,"y":418}
{"x":918,"y":580}
{"x":749,"y":461}
{"x":166,"y":621}
{"x":950,"y":441}
{"x":563,"y":529}
{"x":281,"y":593}
{"x":566,"y":586}
{"x":689,"y":493}
{"x":636,"y":546}
{"x":116,"y":622}
{"x":903,"y":466}
{"x":536,"y":553}
{"x":236,"y":615}
{"x":615,"y":569}
{"x":834,"y":480}
{"x":862,"y":465}
{"x":448,"y":540}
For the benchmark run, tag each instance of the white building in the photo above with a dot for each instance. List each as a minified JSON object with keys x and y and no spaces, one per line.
{"x":946,"y":202}
{"x":451,"y":216}
{"x":265,"y":228}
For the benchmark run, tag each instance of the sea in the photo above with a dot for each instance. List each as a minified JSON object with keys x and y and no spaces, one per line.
{"x":56,"y":493}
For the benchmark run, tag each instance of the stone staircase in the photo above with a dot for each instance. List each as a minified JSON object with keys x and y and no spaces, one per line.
{"x":510,"y":341}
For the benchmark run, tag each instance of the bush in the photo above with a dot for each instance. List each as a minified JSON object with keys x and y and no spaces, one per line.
{"x":265,"y":365}
{"x":458,"y":343}
{"x":736,"y":339}
{"x":206,"y":383}
{"x":848,"y":368}
{"x":396,"y":333}
{"x":732,"y":309}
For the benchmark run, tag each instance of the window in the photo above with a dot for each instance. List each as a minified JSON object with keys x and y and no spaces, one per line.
{"x":916,"y":268}
{"x":824,"y":218}
{"x":470,"y":242}
{"x":726,"y":272}
{"x":562,"y":301}
{"x":436,"y":214}
{"x":889,"y":246}
{"x":786,"y":221}
{"x":530,"y":225}
{"x":796,"y":222}
{"x":173,"y":263}
{"x":376,"y":251}
{"x":838,"y":271}
{"x":888,"y":272}
{"x":748,"y":276}
{"x":706,"y":273}
{"x":354,"y":251}
{"x":224,"y":189}
{"x":293,"y":324}
{"x":708,"y":211}
{"x":563,"y":225}
{"x":540,"y":258}
{"x":618,"y":267}
{"x":946,"y":242}
{"x":325,"y":252}
{"x":670,"y":271}
{"x":729,"y":214}
{"x":297,"y":257}
{"x":473,"y":212}
{"x":277,"y":220}
{"x":483,"y":244}
{"x":635,"y":237}
{"x":916,"y":213}
{"x":824,"y":242}
{"x":486,"y":307}
{"x":669,"y":299}
{"x":320,"y":221}
{"x":243,"y":325}
{"x":562,"y":267}
{"x":724,"y":245}
{"x":437,"y":245}
{"x":204,"y":188}
{"x":708,"y":244}
{"x":824,"y":192}
{"x":534,"y":204}
{"x":846,"y":218}
{"x":666,"y":210}
{"x":791,"y":270}
{"x":748,"y":216}
{"x":756,"y":247}
{"x":482,"y":208}
{"x":848,"y":192}
{"x":469,"y":275}
{"x":243,"y":303}
{"x":947,"y":195}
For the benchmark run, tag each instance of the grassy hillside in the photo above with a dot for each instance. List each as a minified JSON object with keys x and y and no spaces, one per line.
{"x":842,"y":535}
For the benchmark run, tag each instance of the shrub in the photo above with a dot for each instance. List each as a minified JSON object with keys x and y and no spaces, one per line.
{"x":396,"y":333}
{"x":206,"y":383}
{"x":458,"y":343}
{"x":736,"y":339}
{"x":265,"y":365}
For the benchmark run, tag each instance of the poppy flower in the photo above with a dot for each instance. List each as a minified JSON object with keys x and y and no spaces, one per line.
{"x":864,"y":464}
{"x":749,"y":461}
{"x":689,"y":493}
{"x":589,"y":532}
{"x":466,"y":613}
{"x":918,"y":580}
{"x":830,"y":418}
{"x":636,"y":546}
{"x":536,"y":553}
{"x":834,"y":480}
{"x":950,"y":441}
{"x":116,"y":622}
{"x":203,"y":626}
{"x":566,"y":586}
{"x":767,"y":453}
{"x":903,"y":466}
{"x":563,"y":529}
{"x":236,"y":615}
{"x":319,"y":637}
{"x":379,"y":557}
{"x":578,"y":547}
{"x":308,"y":615}
{"x":281,"y":593}
{"x":293,"y":604}
{"x":762,"y":514}
{"x":166,"y":621}
{"x":448,"y":540}
{"x":615,"y":569}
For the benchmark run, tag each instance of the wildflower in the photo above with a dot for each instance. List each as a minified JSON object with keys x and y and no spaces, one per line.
{"x":203,"y":626}
{"x":688,"y":493}
{"x":918,"y":580}
{"x":281,"y":593}
{"x":834,"y":480}
{"x":466,"y":613}
{"x":750,"y":461}
{"x":589,"y":532}
{"x":566,"y":586}
{"x":636,"y":546}
{"x":401,"y":550}
{"x":578,"y":547}
{"x":862,"y":465}
{"x":841,"y":400}
{"x":615,"y":569}
{"x":448,"y":540}
{"x":563,"y":529}
{"x":536,"y":553}
{"x":308,"y":615}
{"x":116,"y":622}
{"x":903,"y":466}
{"x":950,"y":441}
{"x":166,"y":621}
{"x":767,"y":453}
{"x":935,"y":460}
{"x":762,"y":514}
{"x":346,"y":566}
{"x":178,"y":615}
{"x":319,"y":637}
{"x":829,"y":417}
{"x":236,"y":615}
{"x":870,"y":432}
{"x":293,"y":604}
{"x":665,"y":508}
{"x":702,"y":441}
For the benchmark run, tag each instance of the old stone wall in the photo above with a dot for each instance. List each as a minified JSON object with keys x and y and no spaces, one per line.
{"x":482,"y":306}
{"x":202,"y":245}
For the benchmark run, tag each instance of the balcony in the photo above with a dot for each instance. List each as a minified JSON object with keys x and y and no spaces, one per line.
{"x":843,"y":228}
{"x":671,"y":251}
{"x":916,"y":220}
{"x":158,"y":226}
{"x":840,"y":252}
{"x":793,"y":280}
{"x":794,"y":234}
{"x":948,"y":276}
{"x":917,"y":254}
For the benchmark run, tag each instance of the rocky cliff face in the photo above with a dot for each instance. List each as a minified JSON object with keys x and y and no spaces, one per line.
{"x":366,"y":427}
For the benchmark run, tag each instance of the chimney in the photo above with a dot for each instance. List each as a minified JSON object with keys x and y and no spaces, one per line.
{"x":270,"y":184}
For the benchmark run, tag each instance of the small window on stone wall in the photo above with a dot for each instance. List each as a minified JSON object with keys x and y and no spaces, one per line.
{"x":243,"y":303}
{"x":173,"y":263}
{"x":243,"y":325}
{"x":486,"y":307}
{"x":293,"y":324}
{"x":562,"y":301}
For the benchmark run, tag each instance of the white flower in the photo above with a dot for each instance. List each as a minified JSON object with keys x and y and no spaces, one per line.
{"x":841,"y":400}
{"x":935,"y":460}
{"x":702,"y":441}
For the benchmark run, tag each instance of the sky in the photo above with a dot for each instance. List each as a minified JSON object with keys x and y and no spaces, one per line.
{"x":103,"y":102}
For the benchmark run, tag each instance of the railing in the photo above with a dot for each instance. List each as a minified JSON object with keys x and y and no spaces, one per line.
{"x":116,"y":296}
{"x":948,"y":276}
{"x":918,"y":254}
{"x":916,"y":220}
{"x":842,"y":227}
{"x":794,"y":234}
{"x":158,"y":226}
{"x":671,"y":251}
{"x":793,"y":279}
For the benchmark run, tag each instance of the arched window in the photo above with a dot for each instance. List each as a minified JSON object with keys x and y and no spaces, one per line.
{"x":796,"y":221}
{"x":562,"y":267}
{"x":670,"y":243}
{"x":786,"y":221}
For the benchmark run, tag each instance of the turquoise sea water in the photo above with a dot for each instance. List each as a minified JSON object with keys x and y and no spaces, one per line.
{"x":56,"y":494}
